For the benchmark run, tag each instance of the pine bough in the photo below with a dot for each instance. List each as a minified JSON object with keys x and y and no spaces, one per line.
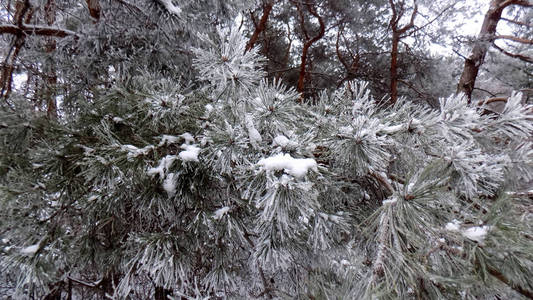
{"x":236,"y":190}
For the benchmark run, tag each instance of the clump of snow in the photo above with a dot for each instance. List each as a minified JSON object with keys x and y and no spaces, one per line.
{"x":283,"y":142}
{"x":92,"y":198}
{"x":189,"y":138}
{"x":134,"y":151}
{"x":390,"y":201}
{"x":171,"y":8}
{"x":168,"y":139}
{"x":477,"y":233}
{"x":169,"y":185}
{"x":346,"y":130}
{"x":345,"y":262}
{"x":392,"y":129}
{"x":255,"y":136}
{"x":30,"y":249}
{"x":297,"y":167}
{"x":209,"y":108}
{"x":219,"y":213}
{"x":442,"y":240}
{"x":190,"y":153}
{"x":164,"y":165}
{"x":453,"y":225}
{"x":118,"y":120}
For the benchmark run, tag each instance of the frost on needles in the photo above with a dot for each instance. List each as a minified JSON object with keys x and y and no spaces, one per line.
{"x":234,"y":189}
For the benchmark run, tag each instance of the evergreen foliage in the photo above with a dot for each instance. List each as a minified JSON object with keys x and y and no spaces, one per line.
{"x":231,"y":188}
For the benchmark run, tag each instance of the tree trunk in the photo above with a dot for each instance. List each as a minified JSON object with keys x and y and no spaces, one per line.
{"x":477,"y":57}
{"x":23,"y":14}
{"x":267,"y":8}
{"x":307,"y":45}
{"x":394,"y":68}
{"x":51,"y":77}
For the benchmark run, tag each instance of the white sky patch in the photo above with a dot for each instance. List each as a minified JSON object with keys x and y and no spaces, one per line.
{"x":297,"y":167}
{"x":219,"y":213}
{"x":30,"y":249}
{"x":164,"y":165}
{"x":190,"y":153}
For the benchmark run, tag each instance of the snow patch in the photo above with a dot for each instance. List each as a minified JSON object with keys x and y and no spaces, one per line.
{"x":30,"y":249}
{"x":117,"y":120}
{"x":164,"y":165}
{"x":345,"y":262}
{"x":297,"y":167}
{"x":171,"y":7}
{"x":189,"y":138}
{"x":219,"y":213}
{"x":134,"y":151}
{"x":453,"y":225}
{"x":169,"y":185}
{"x":283,"y":142}
{"x":477,"y":233}
{"x":390,"y":201}
{"x":255,"y":136}
{"x":190,"y":153}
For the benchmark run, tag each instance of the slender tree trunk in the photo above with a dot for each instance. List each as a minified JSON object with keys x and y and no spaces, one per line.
{"x":477,"y":56}
{"x":307,"y":45}
{"x":51,"y":77}
{"x":394,"y":68}
{"x":267,"y":8}
{"x":397,"y":34}
{"x":23,"y":14}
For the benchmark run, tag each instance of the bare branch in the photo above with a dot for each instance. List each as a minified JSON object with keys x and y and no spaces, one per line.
{"x":513,"y":55}
{"x":517,"y":22}
{"x":515,"y":39}
{"x":35,"y":30}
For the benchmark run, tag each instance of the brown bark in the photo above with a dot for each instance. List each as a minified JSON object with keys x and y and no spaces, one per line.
{"x":34,"y":30}
{"x":394,"y":68}
{"x":51,"y":77}
{"x":485,"y":38}
{"x":94,"y":9}
{"x":397,"y":34}
{"x":23,"y":13}
{"x":308,"y":43}
{"x":267,"y":8}
{"x":501,"y":277}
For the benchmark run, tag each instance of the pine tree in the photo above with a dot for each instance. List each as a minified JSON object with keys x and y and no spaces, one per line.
{"x":232,"y":188}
